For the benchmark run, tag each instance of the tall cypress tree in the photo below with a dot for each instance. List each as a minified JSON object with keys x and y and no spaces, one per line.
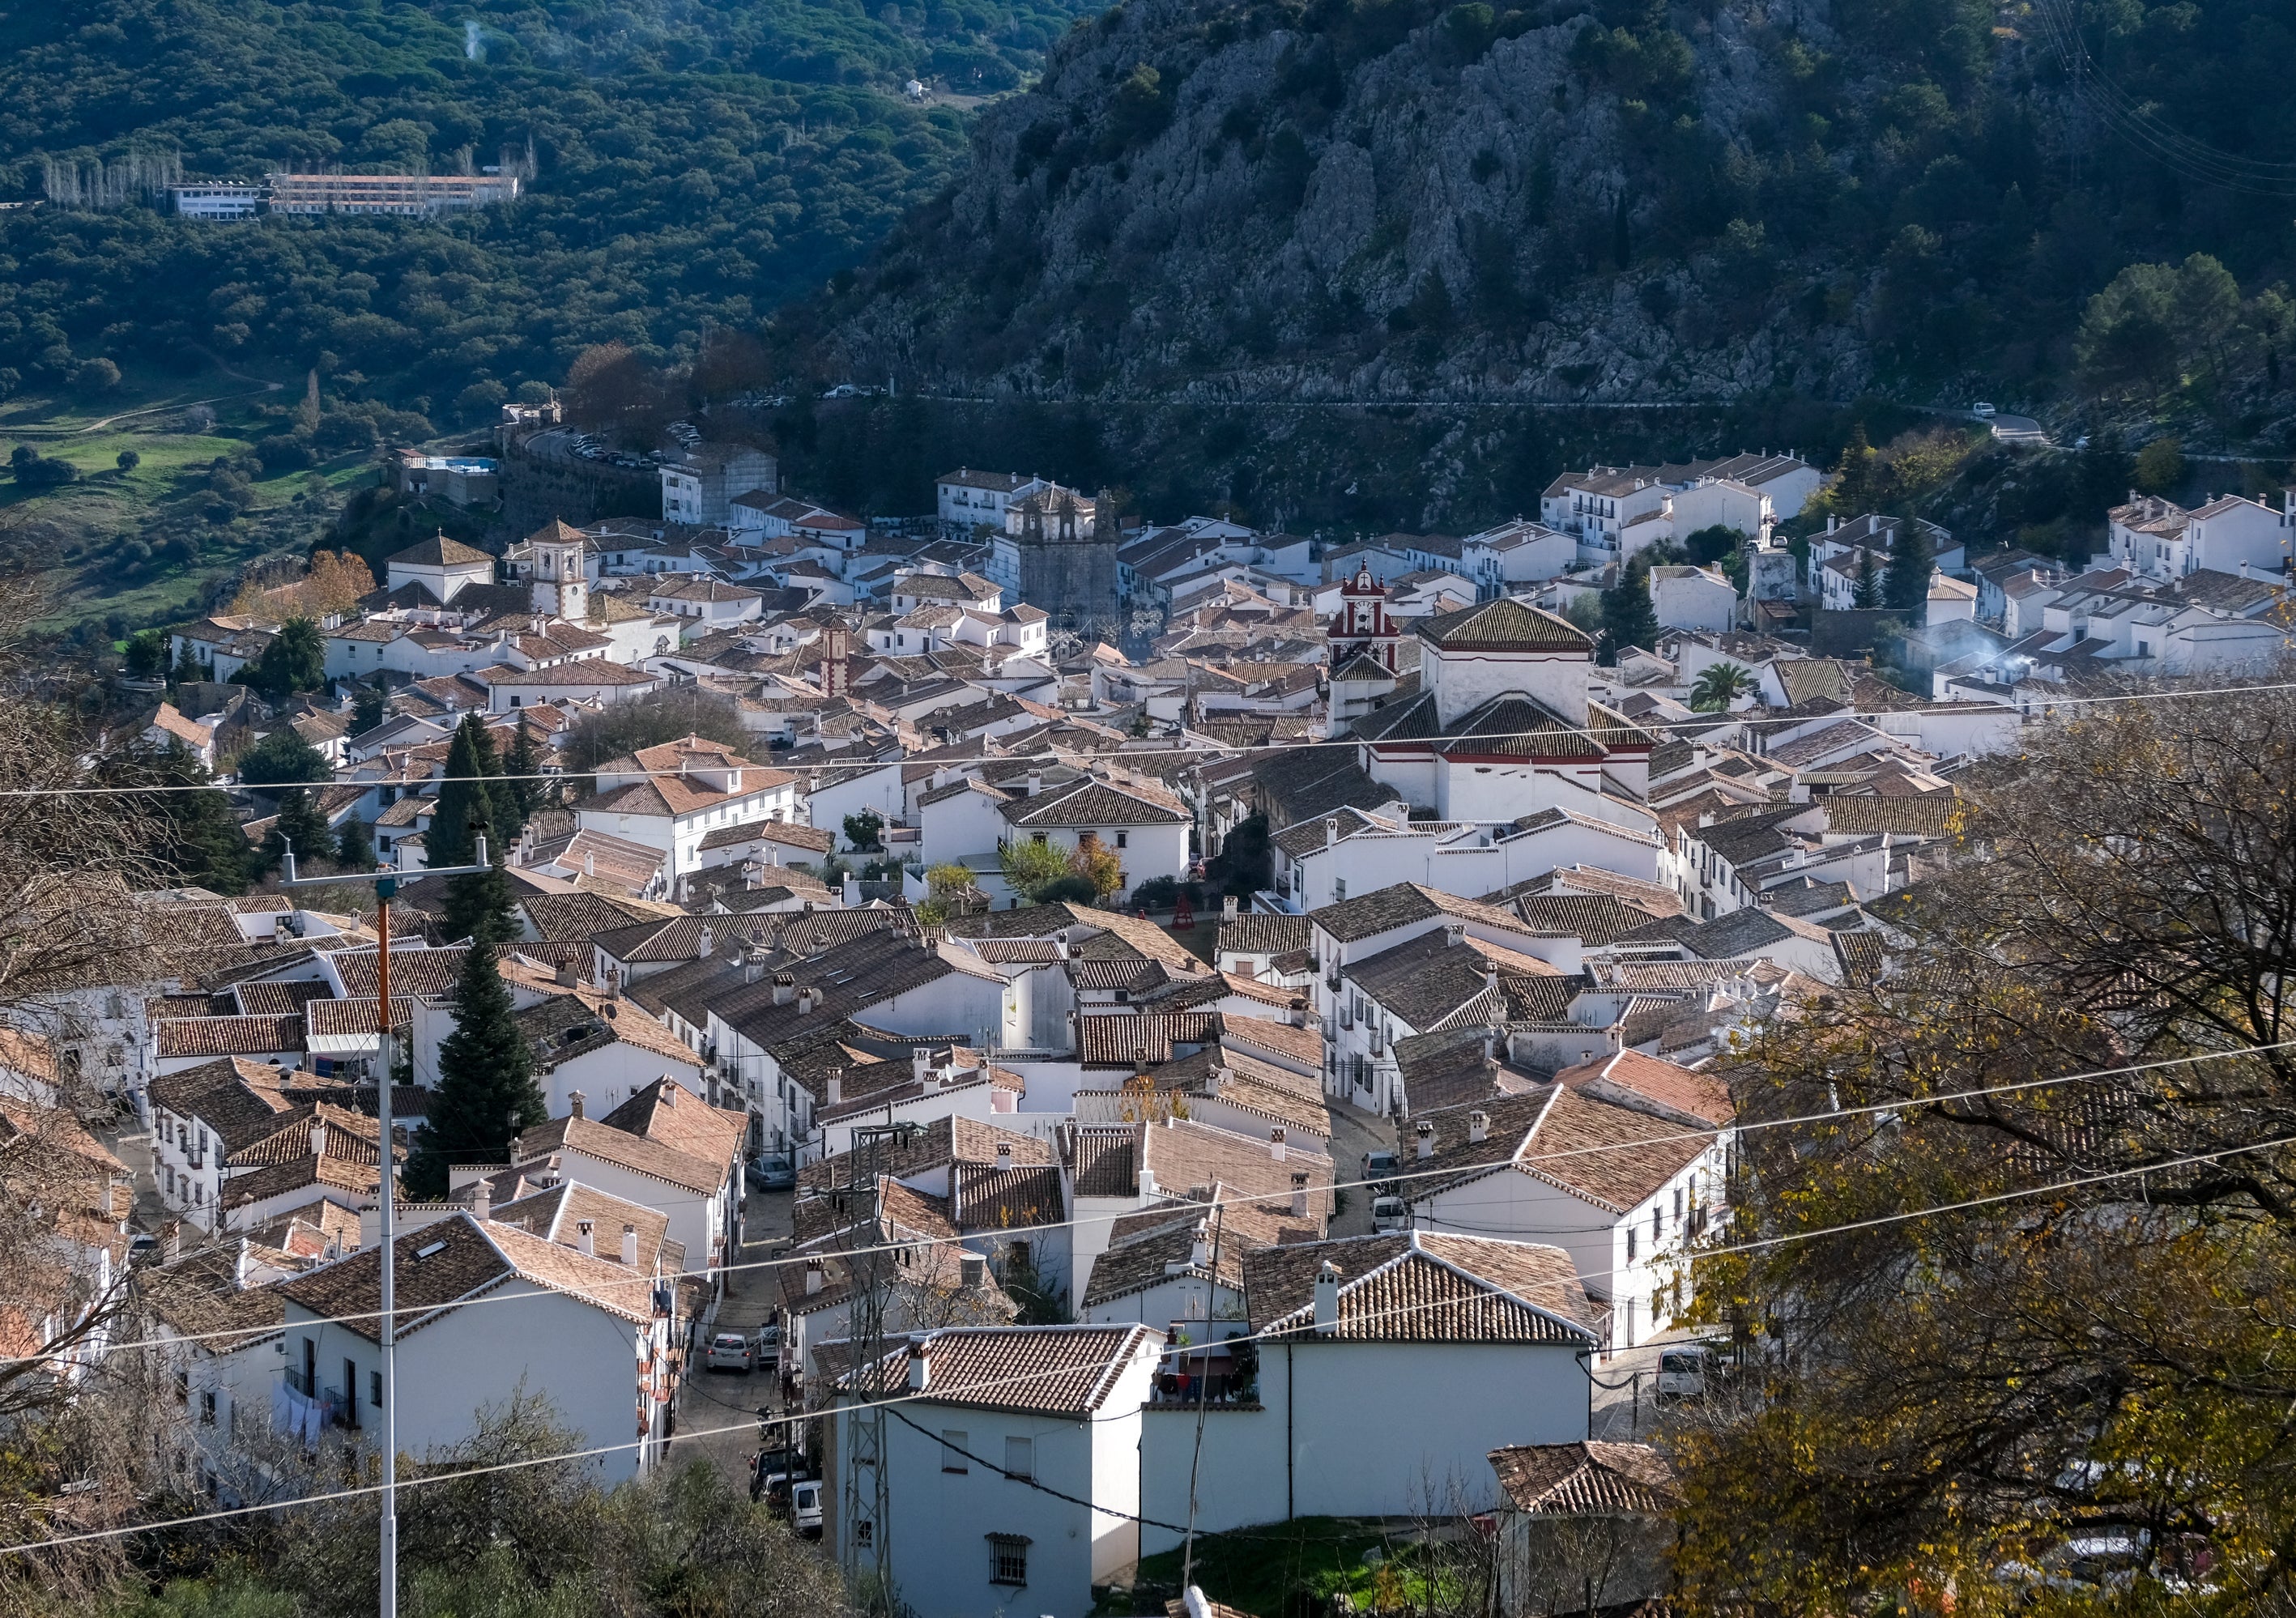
{"x":522,"y":766}
{"x":1868,"y":590}
{"x":1628,"y":617}
{"x":478,"y":906}
{"x":503,"y":817}
{"x":1907,"y":587}
{"x":486,"y":1092}
{"x":463,"y":799}
{"x":301,"y":825}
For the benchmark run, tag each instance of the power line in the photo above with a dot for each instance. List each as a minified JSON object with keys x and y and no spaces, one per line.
{"x":957,"y":1395}
{"x":1214,"y":749}
{"x":1180,"y":1210}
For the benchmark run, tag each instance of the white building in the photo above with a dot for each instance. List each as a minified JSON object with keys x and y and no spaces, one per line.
{"x":1693,"y":598}
{"x":2157,"y":539}
{"x":592,"y":1334}
{"x":1390,"y":1366}
{"x":441,"y":566}
{"x":672,"y":796}
{"x":989,"y":1413}
{"x":698,"y":487}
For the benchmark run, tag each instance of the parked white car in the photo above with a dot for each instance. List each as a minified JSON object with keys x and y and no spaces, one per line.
{"x":730,"y":1352}
{"x":1389,"y":1214}
{"x":805,"y":1509}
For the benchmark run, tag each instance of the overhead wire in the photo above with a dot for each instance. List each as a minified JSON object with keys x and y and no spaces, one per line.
{"x":1180,"y":1210}
{"x":957,"y":1395}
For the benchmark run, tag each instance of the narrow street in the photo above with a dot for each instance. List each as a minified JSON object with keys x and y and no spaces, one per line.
{"x":727,"y":1399}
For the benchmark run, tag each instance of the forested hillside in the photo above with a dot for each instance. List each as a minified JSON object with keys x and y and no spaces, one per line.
{"x":694,"y":165}
{"x":1625,"y":201}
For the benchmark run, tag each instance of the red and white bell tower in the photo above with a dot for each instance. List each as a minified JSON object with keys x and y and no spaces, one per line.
{"x":1363,"y":623}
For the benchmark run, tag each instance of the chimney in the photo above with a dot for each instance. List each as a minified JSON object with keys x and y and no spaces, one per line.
{"x":812,"y":1277}
{"x":630,"y":1246}
{"x":920,"y":1368}
{"x":574,"y":1100}
{"x":589,"y":865}
{"x":920,"y":1065}
{"x":836,"y":1082}
{"x":613,"y":982}
{"x":1276,"y":1143}
{"x":239,"y":1266}
{"x":1478,"y":1125}
{"x":1455,"y":933}
{"x":1036,"y":782}
{"x":705,"y":942}
{"x":850,"y":891}
{"x":1332,"y":832}
{"x":585,"y":1239}
{"x":566,"y":975}
{"x":318,"y":1137}
{"x":1003,"y":1157}
{"x":1299,"y":1194}
{"x":804,"y":1001}
{"x":1060,"y":943}
{"x":483,"y":1200}
{"x":1227,"y":907}
{"x":1426,"y":1133}
{"x":1219,"y":1079}
{"x":1140,"y":1062}
{"x":1327,"y":1300}
{"x":972,"y":1271}
{"x":753,"y":966}
{"x":1200,"y":1248}
{"x":784,"y":988}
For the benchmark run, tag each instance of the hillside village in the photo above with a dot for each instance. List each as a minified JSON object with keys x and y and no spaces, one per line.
{"x":1144,"y":1016}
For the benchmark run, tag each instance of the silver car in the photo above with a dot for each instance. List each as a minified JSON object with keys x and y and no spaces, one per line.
{"x":730,"y":1352}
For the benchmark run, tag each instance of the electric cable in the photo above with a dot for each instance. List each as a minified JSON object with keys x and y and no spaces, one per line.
{"x":1180,"y":1210}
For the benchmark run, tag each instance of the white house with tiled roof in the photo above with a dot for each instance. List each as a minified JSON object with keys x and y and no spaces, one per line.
{"x":672,"y":796}
{"x":592,"y":1333}
{"x":2157,"y":539}
{"x":988,"y":1412}
{"x":442,"y":566}
{"x":1613,"y":1177}
{"x":1388,"y":1367}
{"x":1146,"y":825}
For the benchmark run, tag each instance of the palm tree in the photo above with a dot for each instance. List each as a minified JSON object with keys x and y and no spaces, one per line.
{"x":1719,"y":685}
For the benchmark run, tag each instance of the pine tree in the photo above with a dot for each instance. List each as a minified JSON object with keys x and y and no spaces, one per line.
{"x":478,"y":906}
{"x":1853,"y":475}
{"x":1907,"y":588}
{"x":1628,"y":618}
{"x":486,"y":1092}
{"x":355,"y":845}
{"x":464,"y":804}
{"x":503,"y":819}
{"x":1868,"y":591}
{"x":198,"y":838}
{"x":300,"y":825}
{"x":522,"y":767}
{"x":369,"y":708}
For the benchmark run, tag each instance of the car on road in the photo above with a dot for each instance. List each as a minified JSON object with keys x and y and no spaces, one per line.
{"x":1389,"y":1214}
{"x":1379,"y":1167}
{"x":805,"y":1509}
{"x":1688,"y":1370}
{"x":771,"y":1172}
{"x":1982,"y":410}
{"x":730,"y":1352}
{"x":143,"y":1247}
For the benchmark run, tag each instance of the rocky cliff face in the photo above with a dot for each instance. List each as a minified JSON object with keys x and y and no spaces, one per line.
{"x":1378,"y":201}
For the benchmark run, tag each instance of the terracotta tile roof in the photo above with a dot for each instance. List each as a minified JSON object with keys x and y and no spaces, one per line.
{"x":1263,"y":935}
{"x":303,"y":1173}
{"x":575,"y":1022}
{"x":1142,"y":1248}
{"x":1304,"y":1045}
{"x":1928,"y":816}
{"x":1042,"y":1370}
{"x":784,"y":832}
{"x":198,"y":1296}
{"x":673,"y":1116}
{"x":1505,"y":625}
{"x":1590,"y":1479}
{"x":944,"y":1140}
{"x":1606,"y":1155}
{"x":427,"y":973}
{"x":591,"y":1138}
{"x":1104,"y":1162}
{"x":1627,"y":1075}
{"x":450,"y":1263}
{"x":1117,"y":1040}
{"x":1421,"y":1286}
{"x":576,"y":916}
{"x":238,"y":1099}
{"x":277,"y":999}
{"x":1368,"y":915}
{"x":227,"y":1036}
{"x":1015,"y":1199}
{"x":1185,"y":1156}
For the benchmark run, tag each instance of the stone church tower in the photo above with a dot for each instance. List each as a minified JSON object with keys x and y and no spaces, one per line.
{"x":1067,"y":561}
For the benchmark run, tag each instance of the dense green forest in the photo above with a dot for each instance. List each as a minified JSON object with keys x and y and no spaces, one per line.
{"x":694,"y":165}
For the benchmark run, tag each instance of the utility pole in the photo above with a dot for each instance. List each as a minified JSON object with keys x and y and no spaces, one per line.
{"x":386,"y":888}
{"x":870,"y":1502}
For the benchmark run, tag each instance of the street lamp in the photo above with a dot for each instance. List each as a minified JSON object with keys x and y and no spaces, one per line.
{"x":386,"y":888}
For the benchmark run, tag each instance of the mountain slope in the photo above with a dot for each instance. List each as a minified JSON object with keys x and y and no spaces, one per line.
{"x":1389,"y":199}
{"x":696,"y":165}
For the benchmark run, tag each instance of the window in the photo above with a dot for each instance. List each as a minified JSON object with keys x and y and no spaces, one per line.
{"x":1657,"y":1225}
{"x":375,"y":1389}
{"x":183,"y":1387}
{"x":1020,"y":1458}
{"x":208,"y":1408}
{"x":1123,"y":839}
{"x":1008,"y":1558}
{"x":350,"y":1393}
{"x":1630,"y":1243}
{"x":952,"y":1451}
{"x":1678,"y":1205}
{"x":1338,"y":890}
